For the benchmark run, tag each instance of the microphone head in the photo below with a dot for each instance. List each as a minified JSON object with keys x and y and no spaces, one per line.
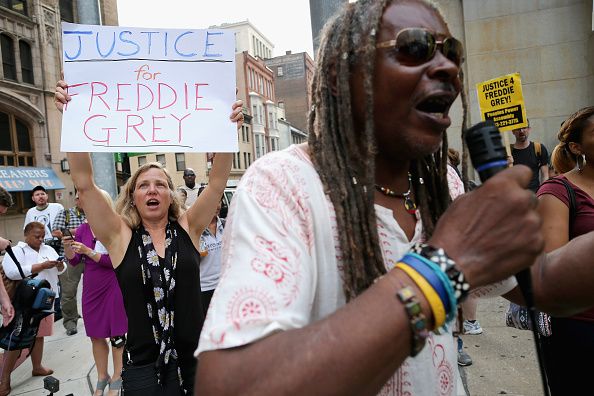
{"x":486,"y":149}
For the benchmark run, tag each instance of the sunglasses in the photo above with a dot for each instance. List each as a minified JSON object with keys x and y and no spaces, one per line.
{"x":415,"y":46}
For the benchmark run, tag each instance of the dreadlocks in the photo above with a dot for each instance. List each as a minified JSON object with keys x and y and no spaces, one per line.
{"x":345,"y":158}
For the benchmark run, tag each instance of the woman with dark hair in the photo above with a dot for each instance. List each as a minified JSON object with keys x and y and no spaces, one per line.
{"x":37,"y":258}
{"x":567,"y":209}
{"x":153,"y":248}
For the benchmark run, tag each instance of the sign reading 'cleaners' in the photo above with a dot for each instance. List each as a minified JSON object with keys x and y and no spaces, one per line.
{"x":501,"y":101}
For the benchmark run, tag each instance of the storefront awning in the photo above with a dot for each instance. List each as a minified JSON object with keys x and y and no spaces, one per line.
{"x":25,"y":178}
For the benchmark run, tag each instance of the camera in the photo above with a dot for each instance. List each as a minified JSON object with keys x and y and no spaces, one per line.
{"x":51,"y":384}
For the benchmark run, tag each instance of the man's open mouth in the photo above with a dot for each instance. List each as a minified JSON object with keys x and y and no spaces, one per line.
{"x":436,"y":105}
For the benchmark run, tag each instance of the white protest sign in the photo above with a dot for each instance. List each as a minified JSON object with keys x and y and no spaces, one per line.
{"x":157,"y":90}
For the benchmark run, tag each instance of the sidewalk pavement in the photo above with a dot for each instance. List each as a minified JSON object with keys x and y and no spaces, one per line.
{"x":504,"y":359}
{"x":71,"y":359}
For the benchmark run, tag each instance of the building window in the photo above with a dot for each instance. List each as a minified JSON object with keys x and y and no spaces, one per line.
{"x":239,"y":160}
{"x":249,"y":159}
{"x":26,"y":62}
{"x":245,"y":161}
{"x":141,"y":160}
{"x":279,"y":71}
{"x":67,"y":10}
{"x":19,"y":6}
{"x":258,"y":152}
{"x":15,"y":142}
{"x":161,"y":159}
{"x":8,"y":61}
{"x":180,"y":161}
{"x":234,"y":162}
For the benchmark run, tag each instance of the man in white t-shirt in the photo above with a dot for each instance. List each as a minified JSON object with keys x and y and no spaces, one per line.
{"x":190,"y":186}
{"x":43,"y":212}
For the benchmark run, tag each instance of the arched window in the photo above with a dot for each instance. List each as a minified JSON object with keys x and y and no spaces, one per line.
{"x":26,"y":62}
{"x":15,"y":142}
{"x":8,"y":58}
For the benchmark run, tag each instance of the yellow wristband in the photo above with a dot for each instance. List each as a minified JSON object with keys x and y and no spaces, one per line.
{"x":431,"y":295}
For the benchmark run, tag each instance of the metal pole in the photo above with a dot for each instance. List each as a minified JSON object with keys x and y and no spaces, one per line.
{"x":103,"y":163}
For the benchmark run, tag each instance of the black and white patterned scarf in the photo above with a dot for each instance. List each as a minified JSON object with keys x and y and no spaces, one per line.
{"x":159,"y":287}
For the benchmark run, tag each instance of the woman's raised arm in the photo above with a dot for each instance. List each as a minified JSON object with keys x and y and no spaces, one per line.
{"x":199,"y":215}
{"x":109,"y":228}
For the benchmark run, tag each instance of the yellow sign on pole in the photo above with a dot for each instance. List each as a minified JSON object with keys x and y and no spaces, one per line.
{"x":501,"y":101}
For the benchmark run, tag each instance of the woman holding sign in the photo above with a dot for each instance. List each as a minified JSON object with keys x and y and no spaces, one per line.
{"x":153,"y":246}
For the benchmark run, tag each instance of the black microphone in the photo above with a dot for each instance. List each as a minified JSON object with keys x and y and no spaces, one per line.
{"x":489,"y":157}
{"x":486,"y":150}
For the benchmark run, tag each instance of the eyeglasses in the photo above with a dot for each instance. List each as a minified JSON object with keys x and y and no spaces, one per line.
{"x":415,"y":46}
{"x":189,"y":174}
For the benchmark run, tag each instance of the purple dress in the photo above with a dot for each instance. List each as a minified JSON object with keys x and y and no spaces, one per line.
{"x":102,"y":303}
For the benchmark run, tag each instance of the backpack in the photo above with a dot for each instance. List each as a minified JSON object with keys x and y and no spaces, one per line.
{"x":33,"y":300}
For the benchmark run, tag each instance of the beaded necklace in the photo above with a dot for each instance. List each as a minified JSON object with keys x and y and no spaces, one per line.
{"x":409,"y":204}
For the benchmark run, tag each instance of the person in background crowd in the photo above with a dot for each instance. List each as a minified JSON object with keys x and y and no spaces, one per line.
{"x":6,"y":308}
{"x":35,"y":258}
{"x":46,"y":212}
{"x":572,"y":340}
{"x":469,"y":306}
{"x":183,"y":197}
{"x":210,"y":265}
{"x":69,"y":219}
{"x":330,"y":279}
{"x":153,"y":246}
{"x":532,"y":154}
{"x":102,"y":304}
{"x":43,"y":212}
{"x":190,"y":186}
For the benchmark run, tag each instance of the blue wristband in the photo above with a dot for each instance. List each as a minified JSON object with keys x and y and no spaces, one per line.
{"x":431,"y":277}
{"x":444,"y":281}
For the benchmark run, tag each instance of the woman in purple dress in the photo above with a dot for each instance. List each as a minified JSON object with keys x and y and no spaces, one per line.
{"x":102,"y":305}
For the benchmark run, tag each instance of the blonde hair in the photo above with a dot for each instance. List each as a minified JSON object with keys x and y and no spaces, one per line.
{"x":571,"y":131}
{"x":125,"y":202}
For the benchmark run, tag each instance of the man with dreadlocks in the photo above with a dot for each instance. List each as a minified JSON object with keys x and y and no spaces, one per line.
{"x":327,"y":286}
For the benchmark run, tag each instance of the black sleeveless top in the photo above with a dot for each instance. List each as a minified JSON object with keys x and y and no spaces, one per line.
{"x":189,"y":317}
